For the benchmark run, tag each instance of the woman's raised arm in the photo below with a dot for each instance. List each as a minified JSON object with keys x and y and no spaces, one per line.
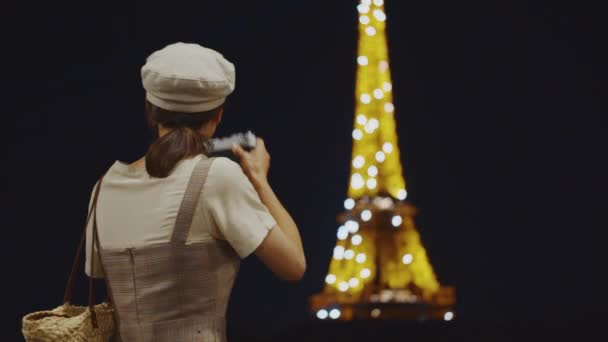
{"x":282,"y":249}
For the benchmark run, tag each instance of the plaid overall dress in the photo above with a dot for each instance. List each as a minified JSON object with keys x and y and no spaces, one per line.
{"x":173,"y":291}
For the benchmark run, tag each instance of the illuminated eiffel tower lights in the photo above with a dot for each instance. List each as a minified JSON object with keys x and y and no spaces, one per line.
{"x":379,"y":268}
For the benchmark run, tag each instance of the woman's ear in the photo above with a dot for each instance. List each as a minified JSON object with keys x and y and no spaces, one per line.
{"x":219,"y":115}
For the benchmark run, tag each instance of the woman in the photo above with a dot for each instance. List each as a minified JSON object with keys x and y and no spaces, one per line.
{"x":174,"y":225}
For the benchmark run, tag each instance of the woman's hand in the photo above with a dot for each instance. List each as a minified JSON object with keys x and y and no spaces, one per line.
{"x":255,"y":163}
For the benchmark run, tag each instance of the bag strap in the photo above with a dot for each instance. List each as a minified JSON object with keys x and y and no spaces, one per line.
{"x":107,"y":280}
{"x":94,"y":243}
{"x":67,"y":297}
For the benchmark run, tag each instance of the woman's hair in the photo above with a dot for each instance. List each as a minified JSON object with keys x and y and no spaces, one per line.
{"x":183,"y":141}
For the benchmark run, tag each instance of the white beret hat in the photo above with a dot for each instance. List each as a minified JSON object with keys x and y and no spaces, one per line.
{"x":187,"y":77}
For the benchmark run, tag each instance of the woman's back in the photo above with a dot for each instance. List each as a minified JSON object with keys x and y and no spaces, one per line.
{"x":172,"y":234}
{"x":171,"y":247}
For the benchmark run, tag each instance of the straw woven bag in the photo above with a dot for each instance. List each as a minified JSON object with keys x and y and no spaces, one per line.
{"x":71,"y":323}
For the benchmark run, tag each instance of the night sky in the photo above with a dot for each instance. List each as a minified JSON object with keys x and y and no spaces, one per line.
{"x":499,"y":112}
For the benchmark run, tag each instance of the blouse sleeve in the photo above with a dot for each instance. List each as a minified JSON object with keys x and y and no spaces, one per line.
{"x":87,"y":267}
{"x":235,"y":207}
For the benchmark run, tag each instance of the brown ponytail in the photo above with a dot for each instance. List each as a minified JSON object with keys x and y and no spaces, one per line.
{"x":183,"y":141}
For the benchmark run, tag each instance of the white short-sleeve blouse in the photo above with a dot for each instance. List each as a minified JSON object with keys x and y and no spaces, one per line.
{"x":134,"y":209}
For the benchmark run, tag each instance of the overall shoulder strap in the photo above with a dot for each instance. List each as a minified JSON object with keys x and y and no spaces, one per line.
{"x":190,"y":200}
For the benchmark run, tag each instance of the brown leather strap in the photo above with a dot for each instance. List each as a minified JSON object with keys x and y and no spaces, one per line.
{"x":107,"y":280}
{"x":67,"y":297}
{"x":92,"y":262}
{"x":95,"y":242}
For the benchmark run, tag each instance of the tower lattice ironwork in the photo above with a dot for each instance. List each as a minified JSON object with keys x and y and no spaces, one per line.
{"x":379,"y":268}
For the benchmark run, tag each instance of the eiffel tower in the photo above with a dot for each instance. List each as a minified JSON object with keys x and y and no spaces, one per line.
{"x":379,"y":268}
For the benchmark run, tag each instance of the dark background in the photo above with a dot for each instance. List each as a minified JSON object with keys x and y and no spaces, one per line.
{"x":500,"y":116}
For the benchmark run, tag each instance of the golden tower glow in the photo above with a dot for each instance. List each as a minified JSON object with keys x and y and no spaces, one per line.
{"x":374,"y":134}
{"x":378,"y":257}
